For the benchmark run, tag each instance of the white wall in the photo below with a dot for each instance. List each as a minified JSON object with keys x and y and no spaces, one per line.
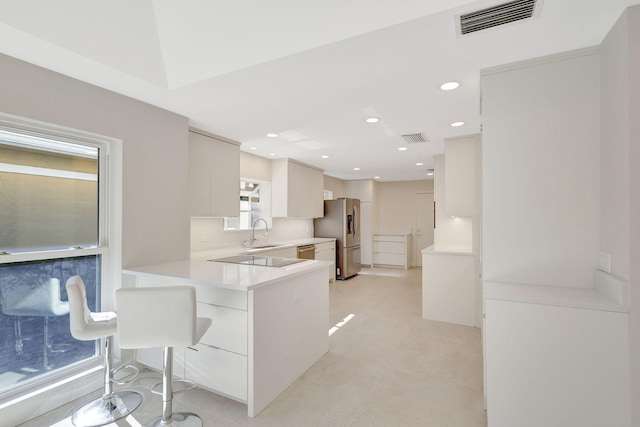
{"x":155,"y":217}
{"x":614,"y":152}
{"x":208,"y":233}
{"x":541,"y":161}
{"x":634,"y":203}
{"x":620,"y":156}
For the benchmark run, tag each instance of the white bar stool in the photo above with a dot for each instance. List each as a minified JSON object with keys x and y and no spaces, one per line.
{"x":87,"y":326}
{"x":161,"y":317}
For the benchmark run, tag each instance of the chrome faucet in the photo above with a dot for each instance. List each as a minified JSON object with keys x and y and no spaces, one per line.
{"x":253,"y":229}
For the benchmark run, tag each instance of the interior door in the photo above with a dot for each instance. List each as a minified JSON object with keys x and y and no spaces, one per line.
{"x":423,"y":235}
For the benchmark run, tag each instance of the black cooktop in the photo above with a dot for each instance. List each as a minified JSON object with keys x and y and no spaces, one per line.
{"x":259,"y":260}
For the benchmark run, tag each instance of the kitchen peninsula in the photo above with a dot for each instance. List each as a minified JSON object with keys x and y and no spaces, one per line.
{"x":270,"y":324}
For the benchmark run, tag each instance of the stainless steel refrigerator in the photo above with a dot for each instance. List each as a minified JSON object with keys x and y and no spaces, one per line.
{"x":342,"y":221}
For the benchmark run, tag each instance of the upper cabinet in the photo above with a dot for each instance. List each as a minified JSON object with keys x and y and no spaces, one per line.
{"x":214,"y":176}
{"x":462,"y":161}
{"x":296,"y":190}
{"x":361,"y":189}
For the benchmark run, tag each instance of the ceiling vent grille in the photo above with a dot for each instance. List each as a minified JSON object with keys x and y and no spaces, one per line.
{"x":414,"y":138}
{"x":497,"y":15}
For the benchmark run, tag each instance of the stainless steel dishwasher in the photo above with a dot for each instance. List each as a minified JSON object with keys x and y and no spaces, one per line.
{"x":307,"y":252}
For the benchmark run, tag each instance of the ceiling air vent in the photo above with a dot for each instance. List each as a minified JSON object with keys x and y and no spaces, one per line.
{"x":413,"y":138}
{"x":497,"y":15}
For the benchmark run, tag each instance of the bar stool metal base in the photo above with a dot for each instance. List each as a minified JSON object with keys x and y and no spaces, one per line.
{"x":179,"y":419}
{"x":105,"y":410}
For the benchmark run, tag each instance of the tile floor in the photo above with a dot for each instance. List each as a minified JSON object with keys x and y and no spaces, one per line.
{"x":386,"y":367}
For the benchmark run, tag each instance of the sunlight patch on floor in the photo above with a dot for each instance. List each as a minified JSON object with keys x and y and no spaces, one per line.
{"x":341,"y":324}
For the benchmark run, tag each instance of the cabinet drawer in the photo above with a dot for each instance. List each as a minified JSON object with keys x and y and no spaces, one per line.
{"x":218,"y":370}
{"x":389,"y":259}
{"x":222,"y":297}
{"x":228,"y":328}
{"x":326,"y":255}
{"x":388,"y":238}
{"x":392,"y":247}
{"x":326,"y":246}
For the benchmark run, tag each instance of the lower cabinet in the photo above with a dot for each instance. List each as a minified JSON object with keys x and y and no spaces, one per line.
{"x":549,"y":365}
{"x":219,"y":361}
{"x":217,"y":369}
{"x":391,"y":250}
{"x":326,"y":251}
{"x":228,"y":330}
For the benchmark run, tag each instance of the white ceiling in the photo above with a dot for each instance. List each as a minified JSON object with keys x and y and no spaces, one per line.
{"x":309,"y":71}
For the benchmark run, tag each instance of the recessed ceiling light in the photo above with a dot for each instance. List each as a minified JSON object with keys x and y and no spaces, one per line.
{"x":272,"y":135}
{"x":372,"y":120}
{"x":356,"y":169}
{"x":272,"y":154}
{"x":325,"y":156}
{"x":456,"y":124}
{"x":449,"y":85}
{"x":429,"y":173}
{"x":376,"y":177}
{"x":402,"y":148}
{"x":419,"y":164}
{"x":253,"y":148}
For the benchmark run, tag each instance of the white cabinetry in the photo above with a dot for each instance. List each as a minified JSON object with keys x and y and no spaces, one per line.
{"x":224,"y":345}
{"x":461,"y":155}
{"x":449,"y":287}
{"x":214,"y":176}
{"x":262,"y":337}
{"x":362,"y":189}
{"x":572,"y":361}
{"x":555,"y":357}
{"x":391,"y":250}
{"x":297,"y":190}
{"x":326,"y":251}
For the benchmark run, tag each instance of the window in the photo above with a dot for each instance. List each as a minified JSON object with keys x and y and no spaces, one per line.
{"x":53,"y":225}
{"x":255,"y":202}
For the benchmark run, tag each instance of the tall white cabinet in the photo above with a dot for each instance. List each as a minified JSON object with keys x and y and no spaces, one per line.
{"x":214,"y":175}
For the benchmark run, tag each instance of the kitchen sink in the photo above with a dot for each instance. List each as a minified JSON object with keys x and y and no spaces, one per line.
{"x":259,"y":260}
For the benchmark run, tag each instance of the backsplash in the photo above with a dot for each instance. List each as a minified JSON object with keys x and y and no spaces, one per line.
{"x":208,"y":233}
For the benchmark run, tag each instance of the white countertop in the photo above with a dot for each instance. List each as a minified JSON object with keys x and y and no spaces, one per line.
{"x":431,"y":251}
{"x":585,"y":298}
{"x":234,"y":250}
{"x":240,"y":277}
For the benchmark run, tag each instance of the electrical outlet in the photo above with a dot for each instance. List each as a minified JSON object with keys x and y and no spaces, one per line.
{"x":604,"y":262}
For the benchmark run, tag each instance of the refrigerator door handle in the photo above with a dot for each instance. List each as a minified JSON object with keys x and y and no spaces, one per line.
{"x":355,"y":225}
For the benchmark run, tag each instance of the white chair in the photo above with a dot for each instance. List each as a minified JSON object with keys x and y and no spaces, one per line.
{"x":161,"y":317}
{"x":86,"y":325}
{"x":40,"y":299}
